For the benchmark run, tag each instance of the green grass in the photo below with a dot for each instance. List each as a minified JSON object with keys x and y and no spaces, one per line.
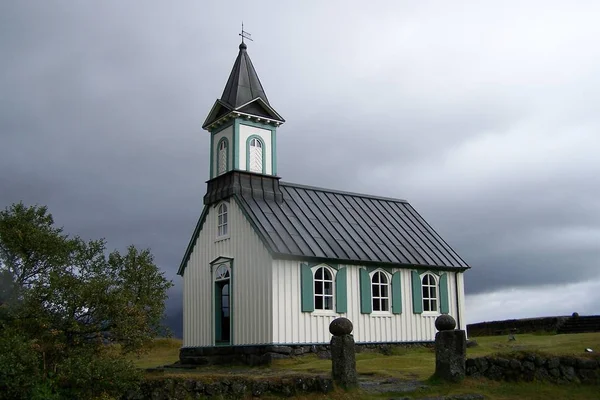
{"x":413,"y":364}
{"x":161,"y":352}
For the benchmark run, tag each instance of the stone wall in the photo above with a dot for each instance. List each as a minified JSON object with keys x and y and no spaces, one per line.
{"x":527,"y":325}
{"x":263,"y":355}
{"x":529,"y":367}
{"x":229,"y":388}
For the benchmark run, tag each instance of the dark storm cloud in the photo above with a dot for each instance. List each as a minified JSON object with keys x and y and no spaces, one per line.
{"x":483,"y":117}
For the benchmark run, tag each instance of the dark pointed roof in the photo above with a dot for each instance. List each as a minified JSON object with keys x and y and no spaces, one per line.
{"x":243,"y":93}
{"x":243,"y":84}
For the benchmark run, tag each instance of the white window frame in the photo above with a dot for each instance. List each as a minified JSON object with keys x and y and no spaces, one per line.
{"x":428,"y":299}
{"x":222,"y":221}
{"x":323,"y":311}
{"x":380,"y":297}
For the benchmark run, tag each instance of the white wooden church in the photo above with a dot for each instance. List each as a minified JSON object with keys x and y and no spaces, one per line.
{"x":273,"y":263}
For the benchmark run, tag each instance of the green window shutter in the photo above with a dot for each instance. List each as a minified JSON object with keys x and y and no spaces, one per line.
{"x":444,"y":304}
{"x":366,"y":306}
{"x":341,"y":292}
{"x":417,"y":296}
{"x":396,"y":293}
{"x":306,"y":283}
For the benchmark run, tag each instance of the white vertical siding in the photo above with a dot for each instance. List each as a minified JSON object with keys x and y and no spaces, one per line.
{"x":251,"y":289}
{"x":291,"y":325}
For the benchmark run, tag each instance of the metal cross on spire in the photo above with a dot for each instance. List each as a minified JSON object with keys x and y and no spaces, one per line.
{"x":245,"y":35}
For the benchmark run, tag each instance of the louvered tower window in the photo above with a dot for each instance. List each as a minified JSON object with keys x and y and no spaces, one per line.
{"x":222,"y":163}
{"x":256,"y":155}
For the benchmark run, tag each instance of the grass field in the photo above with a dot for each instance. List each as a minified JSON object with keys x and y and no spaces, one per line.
{"x":416,"y":364}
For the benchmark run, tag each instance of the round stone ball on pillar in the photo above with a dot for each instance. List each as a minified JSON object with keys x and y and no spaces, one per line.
{"x":445,"y":322}
{"x":340,"y":326}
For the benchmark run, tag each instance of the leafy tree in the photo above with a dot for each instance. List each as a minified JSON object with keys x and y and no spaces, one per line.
{"x":68,"y":300}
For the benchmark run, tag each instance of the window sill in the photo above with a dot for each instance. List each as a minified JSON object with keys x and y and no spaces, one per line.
{"x":220,"y":238}
{"x":382,"y":314}
{"x":324,"y":313}
{"x":430,"y":314}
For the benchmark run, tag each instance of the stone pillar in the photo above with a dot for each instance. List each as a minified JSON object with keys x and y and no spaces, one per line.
{"x":450,"y":350}
{"x":343,"y":360}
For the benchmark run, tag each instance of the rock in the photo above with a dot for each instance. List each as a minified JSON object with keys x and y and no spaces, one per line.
{"x":569,"y":361}
{"x":586,"y":363}
{"x":553,"y":362}
{"x":482,"y":364}
{"x":567,"y":372}
{"x":259,"y":388}
{"x":340,"y":326}
{"x":554,"y":372}
{"x":445,"y":322}
{"x":528,"y":366}
{"x":279,"y":349}
{"x":503,"y":362}
{"x":472,"y":343}
{"x":515,"y":364}
{"x":494,"y":373}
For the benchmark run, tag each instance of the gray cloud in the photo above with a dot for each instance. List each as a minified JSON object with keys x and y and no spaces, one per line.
{"x":483,"y":116}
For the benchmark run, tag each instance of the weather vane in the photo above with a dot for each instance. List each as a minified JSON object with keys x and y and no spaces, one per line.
{"x":245,"y":35}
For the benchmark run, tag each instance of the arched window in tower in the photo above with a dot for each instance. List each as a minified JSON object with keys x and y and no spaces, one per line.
{"x":255,"y":155}
{"x":222,"y":156}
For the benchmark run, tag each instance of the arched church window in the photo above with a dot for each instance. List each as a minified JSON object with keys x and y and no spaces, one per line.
{"x":430,"y":296}
{"x":222,"y":229}
{"x":255,"y":155}
{"x":222,"y":156}
{"x":323,"y":289}
{"x":380,"y":287}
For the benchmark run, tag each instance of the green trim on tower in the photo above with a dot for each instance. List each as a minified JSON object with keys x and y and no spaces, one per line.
{"x":444,"y":303}
{"x":366,"y":304}
{"x":396,"y":293}
{"x":264,"y":161}
{"x":244,"y":121}
{"x":341,"y":291}
{"x":236,"y":145}
{"x":273,"y":153}
{"x":417,"y":294}
{"x":306,"y":288}
{"x":212,"y":157}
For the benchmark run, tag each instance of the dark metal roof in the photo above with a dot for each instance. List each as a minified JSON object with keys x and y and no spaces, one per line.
{"x":318,"y":224}
{"x":243,"y":84}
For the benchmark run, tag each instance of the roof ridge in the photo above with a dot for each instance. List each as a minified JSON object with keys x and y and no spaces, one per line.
{"x":354,"y":194}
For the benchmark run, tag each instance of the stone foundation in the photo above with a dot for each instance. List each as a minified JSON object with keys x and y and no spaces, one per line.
{"x":265,"y":354}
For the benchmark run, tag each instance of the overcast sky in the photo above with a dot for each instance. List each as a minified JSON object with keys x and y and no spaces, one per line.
{"x":484,"y":115}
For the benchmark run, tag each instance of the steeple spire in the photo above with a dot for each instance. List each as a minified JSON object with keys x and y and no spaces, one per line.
{"x":243,"y":84}
{"x":243,"y":93}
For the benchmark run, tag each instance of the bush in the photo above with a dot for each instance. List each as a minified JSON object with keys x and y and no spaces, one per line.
{"x":19,"y":366}
{"x":82,"y":376}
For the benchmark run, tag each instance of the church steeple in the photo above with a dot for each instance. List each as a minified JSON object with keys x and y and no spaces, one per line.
{"x":243,"y":84}
{"x":243,"y":124}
